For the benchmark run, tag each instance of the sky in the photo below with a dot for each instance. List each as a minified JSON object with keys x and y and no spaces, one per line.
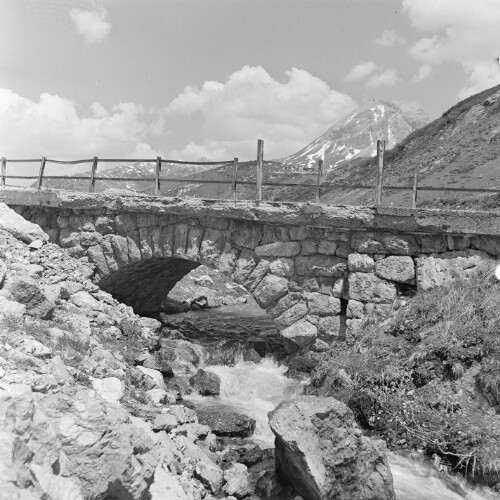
{"x":185,"y":79}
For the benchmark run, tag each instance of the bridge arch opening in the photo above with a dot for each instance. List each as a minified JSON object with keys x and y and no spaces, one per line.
{"x":145,"y":284}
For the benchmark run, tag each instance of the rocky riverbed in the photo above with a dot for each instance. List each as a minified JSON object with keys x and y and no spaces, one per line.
{"x":99,"y":403}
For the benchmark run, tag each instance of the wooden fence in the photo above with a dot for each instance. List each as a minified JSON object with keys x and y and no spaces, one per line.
{"x":234,"y":182}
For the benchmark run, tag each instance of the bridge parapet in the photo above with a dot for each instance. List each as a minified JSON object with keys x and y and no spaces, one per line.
{"x":318,"y":270}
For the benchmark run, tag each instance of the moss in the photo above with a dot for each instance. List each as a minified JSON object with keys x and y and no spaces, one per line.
{"x":430,"y":376}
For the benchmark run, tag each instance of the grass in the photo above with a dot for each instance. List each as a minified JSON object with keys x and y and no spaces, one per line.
{"x":430,"y":376}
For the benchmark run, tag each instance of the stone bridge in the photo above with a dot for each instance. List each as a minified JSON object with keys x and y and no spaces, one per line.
{"x":318,"y":270}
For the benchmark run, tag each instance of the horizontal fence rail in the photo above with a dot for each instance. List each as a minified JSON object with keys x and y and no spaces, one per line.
{"x":231,"y":180}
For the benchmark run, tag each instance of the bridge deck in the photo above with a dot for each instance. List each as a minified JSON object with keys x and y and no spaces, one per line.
{"x":420,"y":220}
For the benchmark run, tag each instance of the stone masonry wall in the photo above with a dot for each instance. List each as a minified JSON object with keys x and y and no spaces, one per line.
{"x":316,"y":283}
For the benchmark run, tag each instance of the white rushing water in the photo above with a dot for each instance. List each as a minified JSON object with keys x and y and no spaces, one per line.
{"x":256,"y":389}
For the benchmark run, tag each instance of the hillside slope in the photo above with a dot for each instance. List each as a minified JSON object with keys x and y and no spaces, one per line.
{"x":356,"y":135}
{"x":142,"y":170}
{"x":459,"y":149}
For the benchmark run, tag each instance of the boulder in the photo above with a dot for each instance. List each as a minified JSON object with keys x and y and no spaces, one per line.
{"x":270,"y":290}
{"x":237,"y":481}
{"x":111,"y":389}
{"x":165,"y":422}
{"x":442,"y":269}
{"x":302,"y":333}
{"x":365,"y":287}
{"x":25,"y":290}
{"x":79,"y":434}
{"x":323,"y":454}
{"x":19,"y":227}
{"x":279,"y":249}
{"x":395,"y":268}
{"x":226,"y":422}
{"x":206,"y":383}
{"x":361,"y":263}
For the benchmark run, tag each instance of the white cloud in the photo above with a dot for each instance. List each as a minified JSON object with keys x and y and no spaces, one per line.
{"x":52,"y":126}
{"x":462,"y":31}
{"x":386,"y":77}
{"x":92,"y":25}
{"x":389,"y":38}
{"x":362,"y":70}
{"x":424,"y":71}
{"x":251,"y":104}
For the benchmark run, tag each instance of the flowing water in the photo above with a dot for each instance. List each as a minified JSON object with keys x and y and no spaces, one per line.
{"x":257,"y":388}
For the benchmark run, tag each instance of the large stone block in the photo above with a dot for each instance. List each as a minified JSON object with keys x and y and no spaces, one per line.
{"x":322,"y":305}
{"x":120,"y":248}
{"x":433,"y":243}
{"x":458,"y":242}
{"x":285,"y":303}
{"x":245,"y":264}
{"x":360,"y":263}
{"x":292,"y":315}
{"x":108,"y":252}
{"x":355,"y":309}
{"x":320,"y":265}
{"x":125,"y":223}
{"x":442,"y":269}
{"x":327,"y":247}
{"x":282,"y":267}
{"x":212,"y":247}
{"x":247,"y":235}
{"x":387,"y":243}
{"x":490,"y":244}
{"x":366,"y":287}
{"x":145,"y":242}
{"x":134,"y":253}
{"x":193,"y":243}
{"x":96,"y":255}
{"x":322,"y":453}
{"x":257,"y":275}
{"x":309,"y":247}
{"x":270,"y":290}
{"x":278,"y":249}
{"x":167,"y":240}
{"x":396,"y":268}
{"x":69,"y":238}
{"x":329,"y":327}
{"x":180,"y":240}
{"x":302,"y":333}
{"x":228,"y":259}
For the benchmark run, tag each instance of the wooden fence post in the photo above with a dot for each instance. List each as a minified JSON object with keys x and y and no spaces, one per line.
{"x":92,"y":174}
{"x":258,"y":172}
{"x":380,"y":172}
{"x":235,"y":174}
{"x":40,"y":173}
{"x":318,"y":181}
{"x":4,"y":170}
{"x":415,"y":186}
{"x":158,"y":171}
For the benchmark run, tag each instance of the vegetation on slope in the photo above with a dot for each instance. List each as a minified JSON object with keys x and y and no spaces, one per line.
{"x":429,"y":377}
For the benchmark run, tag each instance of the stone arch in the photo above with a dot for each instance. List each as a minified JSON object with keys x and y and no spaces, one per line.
{"x":143,"y":285}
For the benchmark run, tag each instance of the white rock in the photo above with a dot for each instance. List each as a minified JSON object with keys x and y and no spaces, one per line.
{"x":56,"y":487}
{"x":111,"y":389}
{"x":166,"y":487}
{"x":19,"y":227}
{"x":158,"y":395}
{"x":302,"y":333}
{"x":155,"y":375}
{"x":237,"y":481}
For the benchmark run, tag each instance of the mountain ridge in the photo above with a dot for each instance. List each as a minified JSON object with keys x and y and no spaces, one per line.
{"x":356,"y":135}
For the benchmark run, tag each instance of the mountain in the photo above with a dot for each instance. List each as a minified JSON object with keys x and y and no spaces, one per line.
{"x":140,"y":169}
{"x":356,"y":135}
{"x":460,"y":149}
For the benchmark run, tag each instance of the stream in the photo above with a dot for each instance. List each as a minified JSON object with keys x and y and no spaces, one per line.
{"x":257,"y":387}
